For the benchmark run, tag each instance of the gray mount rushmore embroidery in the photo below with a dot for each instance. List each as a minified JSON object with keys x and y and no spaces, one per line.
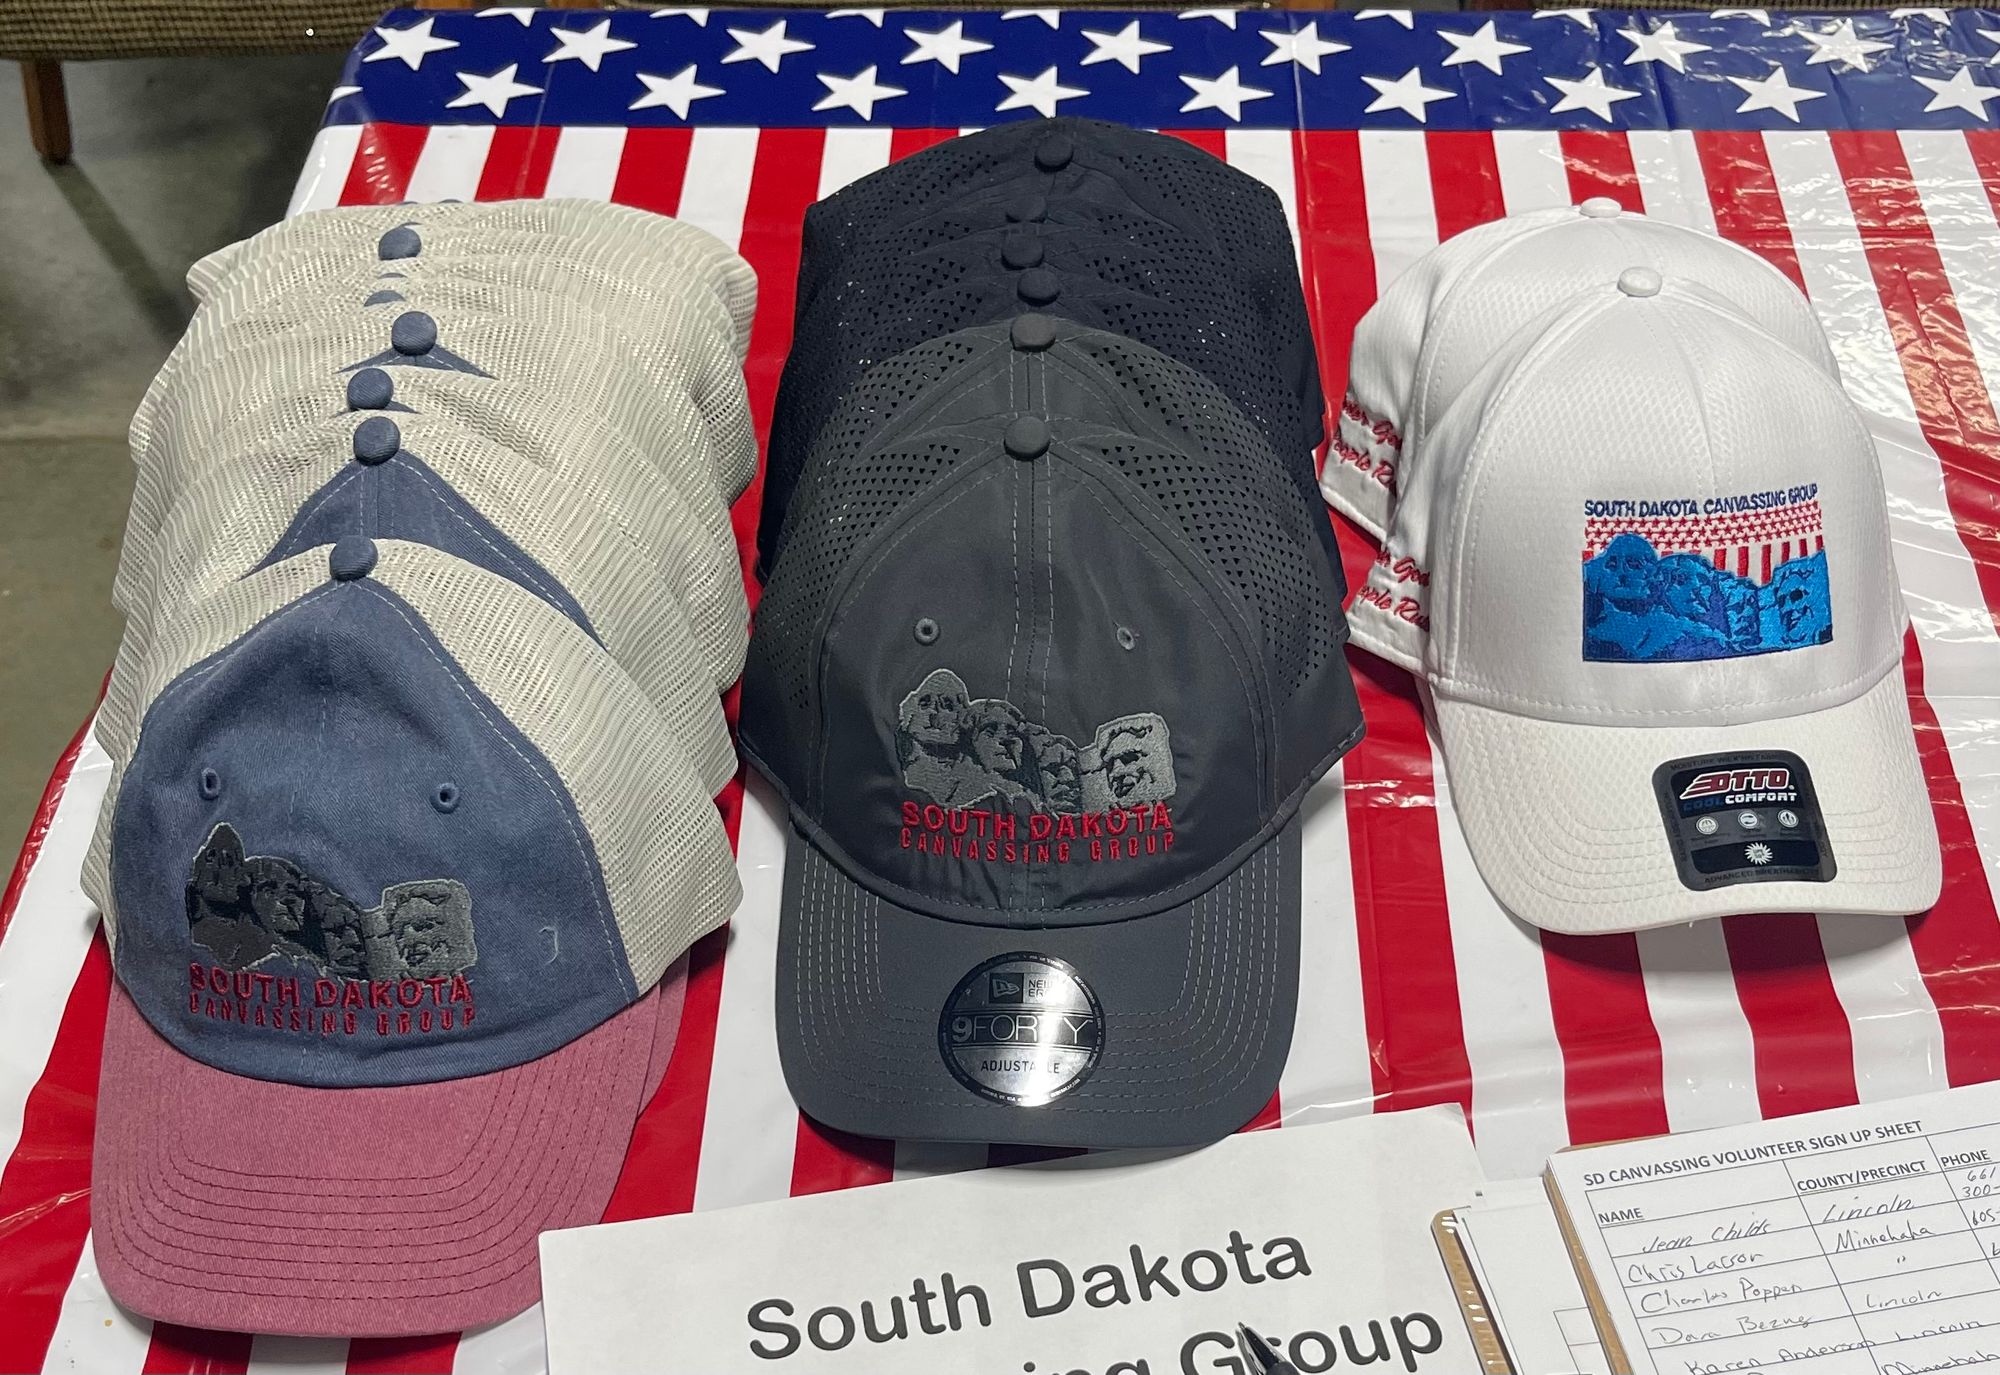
{"x":246,"y":909}
{"x":960,"y":750}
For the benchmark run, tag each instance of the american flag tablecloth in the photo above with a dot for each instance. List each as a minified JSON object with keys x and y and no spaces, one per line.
{"x":1855,"y":153}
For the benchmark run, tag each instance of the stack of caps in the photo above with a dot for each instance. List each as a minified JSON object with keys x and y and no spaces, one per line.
{"x":430,"y":595}
{"x":1050,"y":649}
{"x":1635,"y":538}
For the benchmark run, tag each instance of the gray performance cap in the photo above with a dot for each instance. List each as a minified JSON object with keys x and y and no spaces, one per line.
{"x":1044,"y":686}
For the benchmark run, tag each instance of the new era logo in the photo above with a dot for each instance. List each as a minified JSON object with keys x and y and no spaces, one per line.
{"x":1005,"y":988}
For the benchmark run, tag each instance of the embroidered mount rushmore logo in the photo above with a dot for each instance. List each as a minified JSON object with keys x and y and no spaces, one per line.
{"x":247,"y":909}
{"x":1716,"y":578}
{"x":963,"y":751}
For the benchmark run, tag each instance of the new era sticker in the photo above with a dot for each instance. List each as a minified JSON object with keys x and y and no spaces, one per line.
{"x":1745,"y":817}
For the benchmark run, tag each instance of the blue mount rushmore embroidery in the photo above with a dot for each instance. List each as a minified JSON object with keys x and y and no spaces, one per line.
{"x":1716,"y":578}
{"x":960,"y":750}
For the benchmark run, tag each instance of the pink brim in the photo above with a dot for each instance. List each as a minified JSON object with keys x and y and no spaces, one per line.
{"x":225,"y":1202}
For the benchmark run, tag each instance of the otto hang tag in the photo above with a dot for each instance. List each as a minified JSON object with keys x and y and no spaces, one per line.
{"x":1745,"y":817}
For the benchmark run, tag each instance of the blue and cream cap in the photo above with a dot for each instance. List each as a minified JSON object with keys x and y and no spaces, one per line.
{"x":391,"y":819}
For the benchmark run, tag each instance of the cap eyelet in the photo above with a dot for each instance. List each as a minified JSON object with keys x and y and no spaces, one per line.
{"x":926,"y":631}
{"x":211,"y":784}
{"x":445,"y":798}
{"x":1126,"y":639}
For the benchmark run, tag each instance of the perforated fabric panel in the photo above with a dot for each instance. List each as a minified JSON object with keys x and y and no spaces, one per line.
{"x":224,"y":526}
{"x":655,"y":247}
{"x":1174,"y":295}
{"x":679,"y":528}
{"x":549,"y":344}
{"x":656,"y":834}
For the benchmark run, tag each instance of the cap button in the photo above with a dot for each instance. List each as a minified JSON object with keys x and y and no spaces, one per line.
{"x":1601,"y":208}
{"x":1639,"y":281}
{"x":401,"y":242}
{"x":413,"y":333}
{"x":1054,"y":152}
{"x":1032,"y":333}
{"x":1027,"y":438}
{"x":376,"y":440}
{"x":352,"y":557}
{"x":370,"y":390}
{"x":1028,"y":209}
{"x":1021,"y":250}
{"x":1039,"y":286}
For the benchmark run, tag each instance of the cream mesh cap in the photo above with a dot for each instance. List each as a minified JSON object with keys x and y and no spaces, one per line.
{"x":685,"y":536}
{"x":1420,"y":345}
{"x":410,"y":719}
{"x":449,"y":489}
{"x":536,"y":339}
{"x":1665,"y":627}
{"x":656,"y":251}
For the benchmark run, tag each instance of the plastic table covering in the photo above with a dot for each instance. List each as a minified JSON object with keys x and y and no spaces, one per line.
{"x":1854,"y":153}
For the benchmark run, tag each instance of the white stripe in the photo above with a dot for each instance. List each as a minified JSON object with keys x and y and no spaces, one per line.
{"x":1328,"y":1074}
{"x":1532,"y":173}
{"x":1396,"y":186}
{"x":297,"y":1356}
{"x":514,"y":1347}
{"x":1940,"y":586}
{"x":852,"y":154}
{"x":327,"y":165}
{"x":1898,"y":1041}
{"x":1708,"y":1061}
{"x":751,"y":1131}
{"x":585,"y":164}
{"x":1267,"y":155}
{"x":1672,"y":185}
{"x":717,"y":182}
{"x":453,"y":159}
{"x":47,"y":942}
{"x":94,"y":1335}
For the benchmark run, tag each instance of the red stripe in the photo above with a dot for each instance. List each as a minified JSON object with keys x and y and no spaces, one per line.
{"x":383,"y":162}
{"x":1599,"y":163}
{"x":1338,"y":273}
{"x":1764,"y":559}
{"x":517,"y":163}
{"x":824,"y":1159}
{"x":1465,"y":180}
{"x":904,"y":142}
{"x":1957,"y":945}
{"x":402,"y":1355}
{"x":1743,"y":563}
{"x":1614,"y":1075}
{"x":45,"y":1189}
{"x":1943,"y":374}
{"x":1214,"y":141}
{"x":1744,"y":195}
{"x":180,"y":1350}
{"x":1801,"y":1040}
{"x":652,"y":169}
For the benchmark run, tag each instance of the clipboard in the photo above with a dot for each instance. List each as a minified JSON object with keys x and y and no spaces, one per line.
{"x":1471,"y":1301}
{"x":1600,"y":1314}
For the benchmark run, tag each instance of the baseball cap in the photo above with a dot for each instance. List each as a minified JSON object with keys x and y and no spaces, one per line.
{"x":1419,"y":346}
{"x":654,"y":252}
{"x":432,"y":483}
{"x":1665,"y":632}
{"x":391,"y":875}
{"x":1043,"y":678}
{"x":542,"y":340}
{"x":499,"y":428}
{"x":1173,"y":293}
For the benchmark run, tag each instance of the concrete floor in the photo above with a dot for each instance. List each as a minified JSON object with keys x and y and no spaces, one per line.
{"x":173,"y":159}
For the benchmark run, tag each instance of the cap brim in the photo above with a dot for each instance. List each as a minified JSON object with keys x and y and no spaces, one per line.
{"x":1197,"y":1005}
{"x":220,"y":1201}
{"x":1563,"y":821}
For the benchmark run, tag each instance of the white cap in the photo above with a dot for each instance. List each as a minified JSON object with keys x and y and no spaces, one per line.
{"x":1665,"y":630}
{"x":1419,"y":346}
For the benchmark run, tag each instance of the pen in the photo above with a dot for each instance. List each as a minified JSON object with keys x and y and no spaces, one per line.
{"x":1260,"y":1353}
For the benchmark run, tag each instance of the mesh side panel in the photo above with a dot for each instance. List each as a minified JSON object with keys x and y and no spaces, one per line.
{"x":538,"y":339}
{"x":223,"y":527}
{"x":1226,"y":510}
{"x":487,"y":423}
{"x":223,"y":381}
{"x":848,"y":503}
{"x":590,"y":227}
